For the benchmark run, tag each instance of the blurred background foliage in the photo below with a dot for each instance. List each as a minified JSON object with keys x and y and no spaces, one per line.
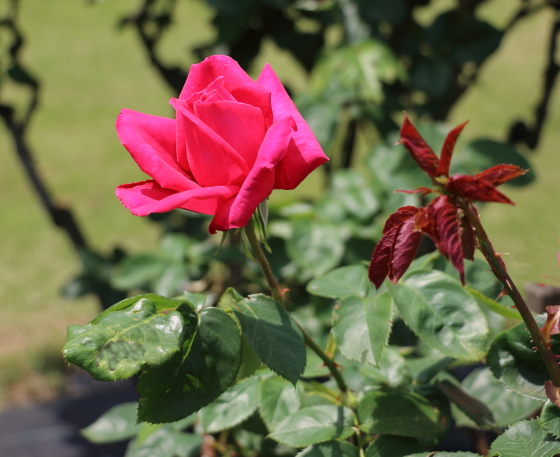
{"x":352,"y":66}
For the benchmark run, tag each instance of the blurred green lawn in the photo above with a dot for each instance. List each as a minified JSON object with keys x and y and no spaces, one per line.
{"x":90,"y":70}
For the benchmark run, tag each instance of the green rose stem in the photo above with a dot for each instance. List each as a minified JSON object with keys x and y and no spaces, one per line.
{"x":275,"y":290}
{"x":501,"y":273}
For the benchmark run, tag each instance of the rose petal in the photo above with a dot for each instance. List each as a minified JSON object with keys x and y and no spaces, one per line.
{"x":241,"y":125}
{"x":260,"y":182}
{"x":150,"y":142}
{"x":143,"y":198}
{"x":237,"y":83}
{"x":304,"y":153}
{"x":213,"y":162}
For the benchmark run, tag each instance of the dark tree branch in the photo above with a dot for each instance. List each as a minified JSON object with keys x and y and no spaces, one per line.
{"x":150,"y":25}
{"x":520,"y":132}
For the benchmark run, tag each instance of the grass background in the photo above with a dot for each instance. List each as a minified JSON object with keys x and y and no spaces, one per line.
{"x":90,"y":71}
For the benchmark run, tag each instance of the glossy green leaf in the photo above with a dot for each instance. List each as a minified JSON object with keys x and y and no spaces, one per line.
{"x":398,"y":412}
{"x":339,"y":283}
{"x":361,"y":326}
{"x":330,"y":449}
{"x":506,"y":406}
{"x":515,"y":363}
{"x":277,"y":400}
{"x":118,"y":344}
{"x":444,"y":454}
{"x":197,"y":300}
{"x":392,"y":371}
{"x":249,"y":363}
{"x":206,"y":366}
{"x":443,"y":315}
{"x":549,"y":419}
{"x":273,"y":335}
{"x":525,"y":439}
{"x":232,"y":407}
{"x":315,"y":247}
{"x":493,"y":305}
{"x":393,"y":446}
{"x":119,"y":423}
{"x":314,"y":424}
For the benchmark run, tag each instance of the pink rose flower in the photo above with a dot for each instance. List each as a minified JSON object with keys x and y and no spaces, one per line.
{"x":232,"y":142}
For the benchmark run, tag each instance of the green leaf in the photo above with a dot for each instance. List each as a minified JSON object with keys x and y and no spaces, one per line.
{"x":393,"y":446}
{"x":273,"y":335}
{"x":249,"y":363}
{"x":398,"y":412}
{"x":197,"y":300}
{"x":229,"y":298}
{"x":506,"y":406}
{"x":315,"y":247}
{"x":392,"y":370}
{"x":494,"y":305}
{"x":162,"y":304}
{"x":361,"y":326}
{"x":277,"y":400}
{"x":313,"y":425}
{"x":355,"y":194}
{"x":136,"y":271}
{"x":466,"y":403}
{"x":232,"y":407}
{"x":525,"y":439}
{"x":445,"y":454}
{"x":442,"y":314}
{"x":339,"y":283}
{"x":330,"y":449}
{"x":164,"y":442}
{"x":118,"y":423}
{"x":550,"y":419}
{"x":206,"y":366}
{"x":117,"y":345}
{"x":515,"y":363}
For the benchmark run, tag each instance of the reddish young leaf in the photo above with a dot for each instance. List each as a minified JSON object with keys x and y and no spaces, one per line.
{"x":552,"y":324}
{"x":468,"y":238}
{"x":420,"y":190}
{"x":404,"y":250}
{"x":475,"y":189}
{"x":552,"y":392}
{"x":448,"y":228}
{"x":426,"y":222}
{"x":399,"y":216}
{"x":499,"y":174}
{"x":447,"y":149}
{"x":381,"y":257}
{"x":419,"y":150}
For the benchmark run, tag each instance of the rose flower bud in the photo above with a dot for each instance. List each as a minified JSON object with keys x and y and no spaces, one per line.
{"x":232,"y":142}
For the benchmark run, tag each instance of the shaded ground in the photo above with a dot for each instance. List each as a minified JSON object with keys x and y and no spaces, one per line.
{"x":52,"y":429}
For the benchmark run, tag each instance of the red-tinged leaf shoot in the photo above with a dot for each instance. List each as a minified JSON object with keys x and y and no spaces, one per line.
{"x":552,"y":324}
{"x":500,"y":174}
{"x":404,"y":250}
{"x":418,"y":148}
{"x":448,"y":228}
{"x":381,"y":257}
{"x":447,"y":150}
{"x":552,"y":392}
{"x":468,"y":238}
{"x":426,"y":222}
{"x":475,"y":189}
{"x":399,"y":216}
{"x":423,"y":191}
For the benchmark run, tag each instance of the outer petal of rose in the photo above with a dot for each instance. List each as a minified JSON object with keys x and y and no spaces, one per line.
{"x":143,"y":198}
{"x":150,"y":140}
{"x":212,"y":160}
{"x":259,"y":184}
{"x":237,"y":83}
{"x":305,"y":153}
{"x":240,"y":125}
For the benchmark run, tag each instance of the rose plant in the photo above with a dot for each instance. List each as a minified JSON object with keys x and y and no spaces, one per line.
{"x":243,"y":375}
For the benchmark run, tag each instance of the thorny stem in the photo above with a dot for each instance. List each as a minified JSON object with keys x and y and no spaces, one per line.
{"x":275,"y":290}
{"x":503,"y":276}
